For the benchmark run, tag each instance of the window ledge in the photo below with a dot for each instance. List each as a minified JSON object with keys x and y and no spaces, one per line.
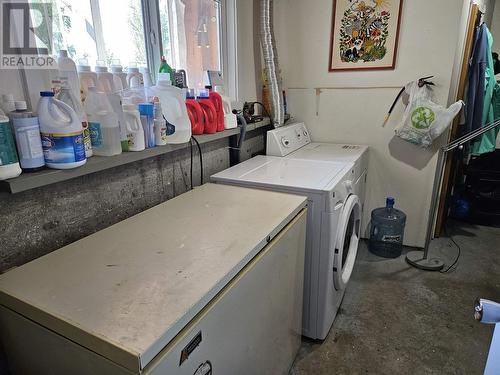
{"x":28,"y":181}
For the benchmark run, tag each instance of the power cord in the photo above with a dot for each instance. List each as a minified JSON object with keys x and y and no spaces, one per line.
{"x":264,"y":109}
{"x":201,"y":158}
{"x":455,"y":262}
{"x":191,"y":168}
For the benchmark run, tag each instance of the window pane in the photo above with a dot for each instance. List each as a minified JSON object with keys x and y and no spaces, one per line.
{"x":123,"y":31}
{"x":190,"y":36}
{"x":73,"y":29}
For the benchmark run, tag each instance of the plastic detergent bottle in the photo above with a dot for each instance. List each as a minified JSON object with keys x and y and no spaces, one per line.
{"x":387,"y":230}
{"x":116,"y":104}
{"x":135,"y":132}
{"x":8,"y":103}
{"x":9,"y":161}
{"x":68,"y":72}
{"x":27,"y":132}
{"x":119,"y":76}
{"x":103,"y":124}
{"x":87,"y":77}
{"x":62,"y":133}
{"x":134,"y":77}
{"x":67,"y":96}
{"x":209,"y":112}
{"x":230,"y":119}
{"x":146,"y":76}
{"x":173,"y":105}
{"x":216,"y":99}
{"x":195,"y":113}
{"x":160,"y":125}
{"x":146,"y":111}
{"x":165,"y":68}
{"x":105,"y":81}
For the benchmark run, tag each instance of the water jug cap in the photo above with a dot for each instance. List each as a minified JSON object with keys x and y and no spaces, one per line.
{"x":46,"y":93}
{"x":63,"y":53}
{"x":7,"y":98}
{"x":20,"y":105}
{"x":144,"y":69}
{"x":83,"y":65}
{"x":100,"y":66}
{"x":133,"y":69}
{"x":389,"y":201}
{"x":164,"y":77}
{"x":146,"y":109}
{"x":116,"y":68}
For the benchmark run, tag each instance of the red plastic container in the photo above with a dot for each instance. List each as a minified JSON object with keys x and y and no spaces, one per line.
{"x":219,"y":108}
{"x":210,"y":113}
{"x":196,"y":116}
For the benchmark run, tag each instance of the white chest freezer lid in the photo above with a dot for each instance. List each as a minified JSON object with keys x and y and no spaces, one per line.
{"x":282,"y":172}
{"x":342,"y":153}
{"x":126,"y":291}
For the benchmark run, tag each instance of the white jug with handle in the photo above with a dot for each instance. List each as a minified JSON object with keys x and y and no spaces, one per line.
{"x":135,"y":132}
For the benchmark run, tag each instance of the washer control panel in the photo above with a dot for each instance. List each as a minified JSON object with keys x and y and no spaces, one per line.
{"x":287,"y":139}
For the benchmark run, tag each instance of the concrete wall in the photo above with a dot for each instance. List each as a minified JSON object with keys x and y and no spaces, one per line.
{"x":428,"y":39}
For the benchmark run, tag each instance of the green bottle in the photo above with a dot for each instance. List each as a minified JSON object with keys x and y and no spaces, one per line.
{"x":165,"y":68}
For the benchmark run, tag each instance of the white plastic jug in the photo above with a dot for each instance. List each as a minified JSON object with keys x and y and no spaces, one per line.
{"x":119,"y":76}
{"x":135,"y":133}
{"x":103,"y":124}
{"x":68,"y":72}
{"x":134,"y":77}
{"x":173,"y":105}
{"x":67,"y":96}
{"x":62,"y":134}
{"x":116,"y":104}
{"x":87,"y":77}
{"x":105,"y":81}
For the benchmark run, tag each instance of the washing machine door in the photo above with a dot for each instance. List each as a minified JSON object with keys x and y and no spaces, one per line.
{"x":346,"y":246}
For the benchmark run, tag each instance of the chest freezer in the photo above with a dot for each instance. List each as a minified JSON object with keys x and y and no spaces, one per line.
{"x":207,"y":283}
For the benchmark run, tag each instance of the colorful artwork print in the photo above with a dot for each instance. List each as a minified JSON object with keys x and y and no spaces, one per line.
{"x":364,"y":34}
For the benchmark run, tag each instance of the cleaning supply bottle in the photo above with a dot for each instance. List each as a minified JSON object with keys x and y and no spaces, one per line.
{"x":135,"y":132}
{"x":116,"y":104}
{"x":230,"y":119}
{"x":119,"y":76}
{"x":8,"y":103}
{"x":27,"y":132}
{"x":62,"y":133}
{"x":209,"y":112}
{"x":67,"y":96}
{"x":195,"y":113}
{"x":134,"y":77}
{"x":387,"y":230}
{"x":87,"y":77}
{"x":146,"y":76}
{"x":216,"y":99}
{"x":105,"y":82}
{"x":103,"y":124}
{"x":146,"y":111}
{"x":160,"y":125}
{"x":68,"y":72}
{"x":173,"y":105}
{"x":9,"y":161}
{"x":164,"y":67}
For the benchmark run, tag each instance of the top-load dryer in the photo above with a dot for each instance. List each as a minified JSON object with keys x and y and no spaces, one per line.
{"x":294,"y":141}
{"x":333,"y":226}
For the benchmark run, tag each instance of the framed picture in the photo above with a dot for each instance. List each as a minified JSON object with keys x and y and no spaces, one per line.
{"x":364,"y":34}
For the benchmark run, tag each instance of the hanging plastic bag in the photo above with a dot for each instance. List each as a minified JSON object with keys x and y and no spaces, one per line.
{"x":424,"y":120}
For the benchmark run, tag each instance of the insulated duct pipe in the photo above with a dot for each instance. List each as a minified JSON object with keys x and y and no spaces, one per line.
{"x":271,"y":66}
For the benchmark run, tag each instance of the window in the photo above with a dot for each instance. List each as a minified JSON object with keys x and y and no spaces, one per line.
{"x":100,"y":30}
{"x":191,"y":35}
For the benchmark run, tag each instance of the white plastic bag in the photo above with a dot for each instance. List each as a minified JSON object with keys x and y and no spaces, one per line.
{"x":424,"y":120}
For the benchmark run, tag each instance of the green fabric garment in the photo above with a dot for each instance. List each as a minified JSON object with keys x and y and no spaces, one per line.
{"x":491,"y":109}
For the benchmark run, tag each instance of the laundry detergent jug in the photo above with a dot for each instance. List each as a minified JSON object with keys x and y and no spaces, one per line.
{"x":209,"y":112}
{"x":216,"y":99}
{"x":119,"y":76}
{"x":62,"y":133}
{"x":174,"y":110}
{"x":195,"y":113}
{"x":105,"y":79}
{"x":135,"y":132}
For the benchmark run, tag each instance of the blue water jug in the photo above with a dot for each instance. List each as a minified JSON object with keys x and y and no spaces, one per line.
{"x":387,"y":230}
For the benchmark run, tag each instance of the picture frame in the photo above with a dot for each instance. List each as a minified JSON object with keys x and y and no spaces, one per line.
{"x":364,"y":35}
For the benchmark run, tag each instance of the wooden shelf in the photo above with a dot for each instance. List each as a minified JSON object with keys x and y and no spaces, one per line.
{"x":27,"y":181}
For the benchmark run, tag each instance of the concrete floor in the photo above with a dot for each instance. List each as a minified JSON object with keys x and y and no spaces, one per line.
{"x":395,"y":319}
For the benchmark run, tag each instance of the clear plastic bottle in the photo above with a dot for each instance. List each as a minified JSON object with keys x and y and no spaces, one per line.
{"x":134,"y":77}
{"x":387,"y":230}
{"x":147,"y":119}
{"x":103,"y":124}
{"x":105,"y":79}
{"x":160,"y":125}
{"x":67,"y":71}
{"x":119,"y":76}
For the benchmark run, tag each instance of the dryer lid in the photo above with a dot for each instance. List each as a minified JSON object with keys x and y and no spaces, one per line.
{"x":283,"y":172}
{"x":343,"y":153}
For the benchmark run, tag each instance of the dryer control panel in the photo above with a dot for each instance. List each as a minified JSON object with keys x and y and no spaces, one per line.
{"x":287,"y":139}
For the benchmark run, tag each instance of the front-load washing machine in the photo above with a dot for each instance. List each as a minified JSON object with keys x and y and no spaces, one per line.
{"x":294,"y":141}
{"x":333,"y":226}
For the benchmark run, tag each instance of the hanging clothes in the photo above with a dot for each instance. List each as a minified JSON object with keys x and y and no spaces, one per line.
{"x":487,"y":142}
{"x":475,"y":91}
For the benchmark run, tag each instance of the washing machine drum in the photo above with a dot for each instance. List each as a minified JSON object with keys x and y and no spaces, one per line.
{"x":346,"y":246}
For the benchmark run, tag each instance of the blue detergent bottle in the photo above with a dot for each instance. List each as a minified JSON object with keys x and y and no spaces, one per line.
{"x":387,"y":230}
